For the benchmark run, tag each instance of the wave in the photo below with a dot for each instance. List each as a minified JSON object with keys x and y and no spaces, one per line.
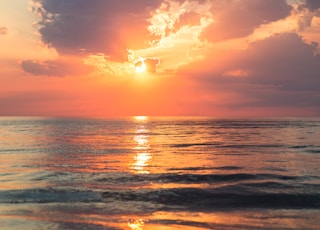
{"x":223,"y":145}
{"x":48,"y":195}
{"x":206,"y":199}
{"x":197,"y":178}
{"x":246,"y":195}
{"x":206,"y":168}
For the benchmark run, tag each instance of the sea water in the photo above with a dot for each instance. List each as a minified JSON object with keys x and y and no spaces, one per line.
{"x":141,"y":173}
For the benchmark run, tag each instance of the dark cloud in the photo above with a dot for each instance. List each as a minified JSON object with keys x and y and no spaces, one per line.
{"x":279,"y":71}
{"x":238,"y":18}
{"x":285,"y":61}
{"x":4,"y":30}
{"x":312,"y":4}
{"x":95,"y":26}
{"x":55,"y":68}
{"x":309,"y":9}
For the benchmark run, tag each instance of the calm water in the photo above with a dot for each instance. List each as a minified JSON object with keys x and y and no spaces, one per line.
{"x":159,"y":173}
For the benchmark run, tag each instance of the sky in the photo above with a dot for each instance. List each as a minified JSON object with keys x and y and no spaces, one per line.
{"x":100,"y":58}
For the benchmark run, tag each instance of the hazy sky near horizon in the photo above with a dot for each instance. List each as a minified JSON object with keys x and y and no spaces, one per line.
{"x":160,"y":57}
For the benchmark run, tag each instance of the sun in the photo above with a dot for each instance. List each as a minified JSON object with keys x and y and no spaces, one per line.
{"x":141,"y":67}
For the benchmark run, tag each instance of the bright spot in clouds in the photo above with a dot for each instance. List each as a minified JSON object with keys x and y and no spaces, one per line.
{"x":140,"y":66}
{"x":176,"y":29}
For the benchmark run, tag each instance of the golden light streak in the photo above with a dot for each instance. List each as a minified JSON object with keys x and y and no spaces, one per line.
{"x":141,"y":161}
{"x":142,"y":158}
{"x":141,"y":118}
{"x":136,"y":224}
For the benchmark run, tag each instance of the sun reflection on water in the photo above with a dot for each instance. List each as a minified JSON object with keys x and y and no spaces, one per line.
{"x":141,"y":139}
{"x":141,"y":161}
{"x":140,"y":118}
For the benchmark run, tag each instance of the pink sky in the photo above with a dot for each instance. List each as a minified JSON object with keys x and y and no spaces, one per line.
{"x":223,"y":58}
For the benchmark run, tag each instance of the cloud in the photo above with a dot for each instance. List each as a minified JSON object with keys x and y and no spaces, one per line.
{"x":239,"y":18}
{"x":312,"y":5}
{"x":279,"y":71}
{"x":95,"y":26}
{"x":176,"y":27}
{"x":149,"y":64}
{"x":89,"y":31}
{"x":4,"y":30}
{"x":285,"y":61}
{"x":104,"y":33}
{"x":306,"y":12}
{"x":58,"y":67}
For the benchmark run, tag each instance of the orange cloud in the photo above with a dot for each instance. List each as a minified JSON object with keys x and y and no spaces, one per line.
{"x":4,"y":30}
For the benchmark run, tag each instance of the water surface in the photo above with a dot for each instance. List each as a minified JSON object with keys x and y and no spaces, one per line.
{"x":159,"y":173}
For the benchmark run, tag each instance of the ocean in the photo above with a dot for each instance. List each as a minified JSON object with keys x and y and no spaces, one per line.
{"x":140,"y":173}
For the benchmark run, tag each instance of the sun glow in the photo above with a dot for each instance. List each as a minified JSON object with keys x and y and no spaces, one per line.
{"x":136,"y":224}
{"x":141,"y":66}
{"x":141,"y":118}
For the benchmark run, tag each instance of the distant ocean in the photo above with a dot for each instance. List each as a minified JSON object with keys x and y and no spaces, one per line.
{"x":141,"y":173}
